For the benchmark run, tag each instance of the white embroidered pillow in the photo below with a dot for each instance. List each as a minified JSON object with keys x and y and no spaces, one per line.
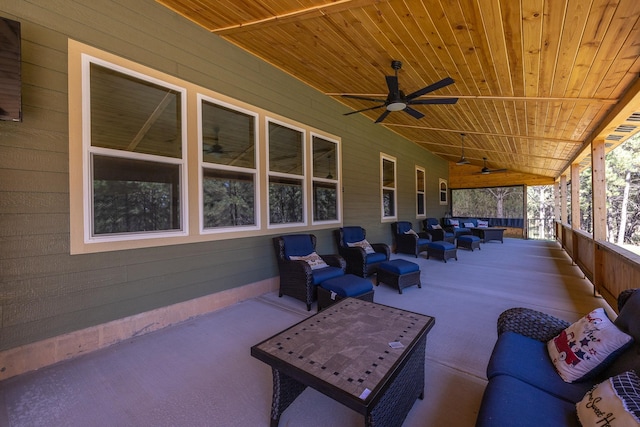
{"x":586,"y":347}
{"x":616,"y":398}
{"x":364,"y":245}
{"x":454,"y":222}
{"x":482,"y":223}
{"x":410,"y":231}
{"x":436,"y":227}
{"x":313,"y":259}
{"x":469,"y":224}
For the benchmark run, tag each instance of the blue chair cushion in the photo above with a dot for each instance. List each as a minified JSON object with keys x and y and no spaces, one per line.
{"x":297,"y":245}
{"x":399,"y":266}
{"x":322,"y":274}
{"x":403,"y":226}
{"x":528,"y":360}
{"x":469,"y":238}
{"x":376,"y":257}
{"x":509,"y":402}
{"x":348,"y":285}
{"x":352,"y":234}
{"x":423,"y":242}
{"x":441,"y":245}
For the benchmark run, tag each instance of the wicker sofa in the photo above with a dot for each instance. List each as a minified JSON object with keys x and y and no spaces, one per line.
{"x":524,"y":389}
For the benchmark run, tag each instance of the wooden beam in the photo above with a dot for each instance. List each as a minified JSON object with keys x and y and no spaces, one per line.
{"x":599,"y":191}
{"x":150,"y":121}
{"x":505,"y":135}
{"x":297,"y":15}
{"x":606,"y":101}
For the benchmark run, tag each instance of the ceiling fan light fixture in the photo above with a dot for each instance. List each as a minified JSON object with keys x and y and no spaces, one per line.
{"x":396,"y":106}
{"x":463,"y":160}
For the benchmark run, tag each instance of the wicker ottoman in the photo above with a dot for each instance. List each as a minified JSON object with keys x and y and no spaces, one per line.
{"x":469,"y":241}
{"x":399,"y":273}
{"x":442,"y":250}
{"x":333,"y":290}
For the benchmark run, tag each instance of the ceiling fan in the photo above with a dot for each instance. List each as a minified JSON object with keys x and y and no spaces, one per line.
{"x":486,"y":171}
{"x":398,"y":101}
{"x":463,"y":160}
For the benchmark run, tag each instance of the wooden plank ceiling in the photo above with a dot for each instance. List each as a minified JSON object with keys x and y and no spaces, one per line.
{"x":536,"y":80}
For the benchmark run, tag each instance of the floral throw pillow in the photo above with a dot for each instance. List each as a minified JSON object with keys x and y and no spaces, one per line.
{"x":469,"y":225}
{"x":483,"y":224}
{"x":454,"y":222}
{"x":613,"y":402}
{"x":313,"y":259}
{"x":587,"y":347}
{"x":364,"y":245}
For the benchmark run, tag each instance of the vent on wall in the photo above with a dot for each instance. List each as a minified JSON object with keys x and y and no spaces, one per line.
{"x":614,"y":137}
{"x":625,"y":128}
{"x":635,"y":117}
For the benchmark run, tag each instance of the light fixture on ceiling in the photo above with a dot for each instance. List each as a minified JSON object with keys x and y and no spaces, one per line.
{"x":463,"y":160}
{"x":485,"y":170}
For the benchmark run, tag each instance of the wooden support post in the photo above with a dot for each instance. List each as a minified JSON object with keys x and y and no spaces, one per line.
{"x":599,"y":203}
{"x":575,"y":207}
{"x":563,"y":200}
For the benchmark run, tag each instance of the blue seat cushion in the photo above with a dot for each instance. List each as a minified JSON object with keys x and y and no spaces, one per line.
{"x":403,"y":226}
{"x":509,"y":402}
{"x":423,"y":242}
{"x":348,"y":285}
{"x":322,"y":274}
{"x":528,"y":360}
{"x":469,"y":238}
{"x":376,"y":257}
{"x":297,"y":245}
{"x":399,"y":266}
{"x":352,"y":234}
{"x":441,"y":245}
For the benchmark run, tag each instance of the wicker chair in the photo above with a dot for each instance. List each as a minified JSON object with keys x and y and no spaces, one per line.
{"x":408,"y":243}
{"x":297,"y":279}
{"x":437,"y":234}
{"x":358,"y":261}
{"x":538,"y":325}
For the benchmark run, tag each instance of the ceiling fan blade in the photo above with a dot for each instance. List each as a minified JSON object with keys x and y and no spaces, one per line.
{"x":415,"y":113}
{"x":364,"y":109}
{"x":382,"y":116}
{"x":392,"y":84}
{"x":364,"y":98}
{"x":433,"y":101}
{"x":435,"y":86}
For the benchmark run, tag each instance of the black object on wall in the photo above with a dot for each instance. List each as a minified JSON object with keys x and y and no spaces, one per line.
{"x":10,"y":71}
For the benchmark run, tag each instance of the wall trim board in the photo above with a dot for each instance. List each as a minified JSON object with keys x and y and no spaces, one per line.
{"x":37,"y":355}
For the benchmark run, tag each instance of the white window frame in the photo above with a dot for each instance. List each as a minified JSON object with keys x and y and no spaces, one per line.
{"x":88,"y":151}
{"x":212,"y":166}
{"x":385,"y":157}
{"x":442,"y":181}
{"x":303,"y":178}
{"x":421,"y":191}
{"x":337,"y":180}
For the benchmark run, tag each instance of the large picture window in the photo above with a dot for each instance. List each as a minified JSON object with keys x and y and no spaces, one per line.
{"x":388,"y":186}
{"x":502,"y":206}
{"x":286,"y":174}
{"x":155,"y":160}
{"x":135,"y":150}
{"x":229,"y":174}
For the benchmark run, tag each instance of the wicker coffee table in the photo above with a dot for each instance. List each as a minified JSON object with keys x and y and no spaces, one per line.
{"x":348,"y":352}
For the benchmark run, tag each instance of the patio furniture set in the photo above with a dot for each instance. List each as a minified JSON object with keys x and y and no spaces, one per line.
{"x":544,"y":371}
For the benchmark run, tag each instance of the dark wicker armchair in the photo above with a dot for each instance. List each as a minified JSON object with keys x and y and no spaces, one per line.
{"x":541,"y":326}
{"x":297,"y":278}
{"x":405,"y":243}
{"x":437,"y":234}
{"x":358,"y":261}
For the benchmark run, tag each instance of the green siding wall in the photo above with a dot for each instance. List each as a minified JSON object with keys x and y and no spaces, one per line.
{"x":44,"y":291}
